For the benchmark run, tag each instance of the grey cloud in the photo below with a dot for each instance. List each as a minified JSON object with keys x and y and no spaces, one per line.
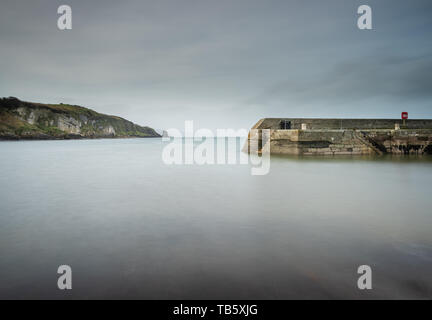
{"x":396,"y":78}
{"x":221,"y":63}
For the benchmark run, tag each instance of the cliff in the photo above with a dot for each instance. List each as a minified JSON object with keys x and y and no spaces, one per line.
{"x":28,"y":120}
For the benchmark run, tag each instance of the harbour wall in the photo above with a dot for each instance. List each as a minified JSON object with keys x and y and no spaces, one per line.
{"x":357,"y":137}
{"x":341,"y":124}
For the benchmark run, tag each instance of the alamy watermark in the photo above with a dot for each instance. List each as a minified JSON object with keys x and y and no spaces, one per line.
{"x":365,"y":280}
{"x":64,"y":22}
{"x":364,"y":22}
{"x":204,"y":147}
{"x":64,"y":282}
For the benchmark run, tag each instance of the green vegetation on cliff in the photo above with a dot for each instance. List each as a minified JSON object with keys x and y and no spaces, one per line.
{"x":29,"y":120}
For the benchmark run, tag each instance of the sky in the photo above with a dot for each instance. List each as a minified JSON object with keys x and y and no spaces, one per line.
{"x":220,"y":63}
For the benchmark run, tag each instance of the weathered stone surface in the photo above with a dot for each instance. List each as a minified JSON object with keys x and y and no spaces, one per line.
{"x":358,"y":137}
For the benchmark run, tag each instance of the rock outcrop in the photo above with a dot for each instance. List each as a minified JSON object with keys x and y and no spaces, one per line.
{"x":28,"y":120}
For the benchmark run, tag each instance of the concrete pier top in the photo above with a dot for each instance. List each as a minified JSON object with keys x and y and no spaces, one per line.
{"x":338,"y":124}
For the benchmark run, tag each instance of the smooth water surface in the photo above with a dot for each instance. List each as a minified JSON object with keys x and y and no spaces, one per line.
{"x":131,"y":226}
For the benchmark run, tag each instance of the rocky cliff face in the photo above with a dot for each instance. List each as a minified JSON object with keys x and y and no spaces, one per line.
{"x":27,"y":120}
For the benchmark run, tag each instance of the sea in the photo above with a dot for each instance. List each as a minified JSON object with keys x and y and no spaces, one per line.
{"x":132,"y":226}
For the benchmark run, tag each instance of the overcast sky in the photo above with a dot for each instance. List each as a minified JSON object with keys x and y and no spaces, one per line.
{"x":221,"y":63}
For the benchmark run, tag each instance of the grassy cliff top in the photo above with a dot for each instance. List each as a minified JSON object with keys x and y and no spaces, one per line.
{"x":13,"y":103}
{"x":21,"y":118}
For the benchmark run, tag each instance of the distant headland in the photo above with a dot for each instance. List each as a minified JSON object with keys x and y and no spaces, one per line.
{"x":35,"y":121}
{"x":300,"y":136}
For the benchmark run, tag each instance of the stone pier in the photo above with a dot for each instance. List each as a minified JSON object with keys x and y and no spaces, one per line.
{"x":343,"y":136}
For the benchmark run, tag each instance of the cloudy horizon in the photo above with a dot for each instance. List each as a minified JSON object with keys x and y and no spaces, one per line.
{"x":222,"y":64}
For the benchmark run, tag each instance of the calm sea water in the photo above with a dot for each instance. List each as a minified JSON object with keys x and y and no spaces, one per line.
{"x":132,"y":227}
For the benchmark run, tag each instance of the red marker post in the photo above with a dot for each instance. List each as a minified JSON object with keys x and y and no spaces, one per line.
{"x":404,"y":117}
